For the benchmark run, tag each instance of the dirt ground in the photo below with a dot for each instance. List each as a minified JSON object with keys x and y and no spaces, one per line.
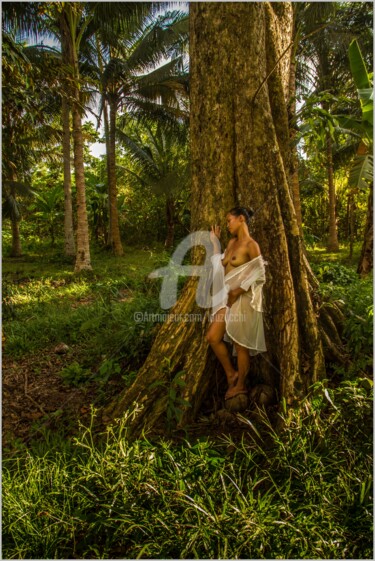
{"x":35,"y":398}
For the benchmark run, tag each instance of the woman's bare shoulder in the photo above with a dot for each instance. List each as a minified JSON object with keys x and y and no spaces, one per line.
{"x":253,"y":249}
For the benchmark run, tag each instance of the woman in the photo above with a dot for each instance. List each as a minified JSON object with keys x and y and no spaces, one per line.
{"x":238,"y":277}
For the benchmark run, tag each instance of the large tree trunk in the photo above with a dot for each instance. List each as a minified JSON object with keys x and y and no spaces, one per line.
{"x":114,"y":228}
{"x":333,"y":242}
{"x":69,"y":243}
{"x":366,"y":260}
{"x":240,"y":153}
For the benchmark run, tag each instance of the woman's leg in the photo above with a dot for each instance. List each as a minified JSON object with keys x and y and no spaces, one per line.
{"x":214,"y":336}
{"x":243,"y":364}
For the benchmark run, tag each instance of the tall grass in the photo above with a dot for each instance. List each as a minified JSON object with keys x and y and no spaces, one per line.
{"x":305,"y":492}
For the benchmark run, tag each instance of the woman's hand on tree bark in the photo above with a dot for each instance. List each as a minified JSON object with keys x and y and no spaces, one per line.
{"x":215,"y":233}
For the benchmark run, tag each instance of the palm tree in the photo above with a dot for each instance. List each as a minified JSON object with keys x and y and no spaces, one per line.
{"x":161,"y":158}
{"x":28,"y":131}
{"x":124,"y":87}
{"x":74,"y":24}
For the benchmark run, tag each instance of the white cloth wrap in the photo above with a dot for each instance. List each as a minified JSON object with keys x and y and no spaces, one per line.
{"x":244,"y":319}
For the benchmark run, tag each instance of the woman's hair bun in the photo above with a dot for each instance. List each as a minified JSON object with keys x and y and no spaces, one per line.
{"x":241,"y":210}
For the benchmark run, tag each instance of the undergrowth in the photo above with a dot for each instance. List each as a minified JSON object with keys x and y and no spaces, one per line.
{"x":303,"y":492}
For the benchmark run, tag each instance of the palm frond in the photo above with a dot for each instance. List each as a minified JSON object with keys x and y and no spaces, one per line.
{"x":361,"y":172}
{"x":116,"y":69}
{"x":149,"y":111}
{"x":171,"y":69}
{"x":23,"y":18}
{"x":22,"y":189}
{"x":137,"y":153}
{"x":10,"y":208}
{"x":157,"y":41}
{"x":114,"y":20}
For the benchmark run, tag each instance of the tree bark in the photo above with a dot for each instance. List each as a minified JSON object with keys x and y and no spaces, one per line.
{"x":114,"y":228}
{"x":240,"y":154}
{"x":366,"y":260}
{"x":333,"y":242}
{"x":69,"y":243}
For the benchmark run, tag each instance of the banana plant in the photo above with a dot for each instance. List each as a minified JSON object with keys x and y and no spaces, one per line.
{"x":361,"y":172}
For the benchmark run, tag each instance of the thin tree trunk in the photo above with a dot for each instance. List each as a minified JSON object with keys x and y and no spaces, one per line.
{"x":366,"y":260}
{"x":16,"y":239}
{"x":239,"y":154}
{"x":114,"y":233}
{"x":69,"y":243}
{"x":170,"y":210}
{"x":293,"y":172}
{"x":351,"y":223}
{"x":333,"y":242}
{"x":83,"y":260}
{"x":107,"y":239}
{"x":16,"y":250}
{"x":107,"y":149}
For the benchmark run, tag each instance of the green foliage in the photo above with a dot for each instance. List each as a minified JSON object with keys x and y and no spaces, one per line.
{"x":108,"y":368}
{"x":74,"y":374}
{"x":334,"y":273}
{"x":302,"y":492}
{"x":341,"y":283}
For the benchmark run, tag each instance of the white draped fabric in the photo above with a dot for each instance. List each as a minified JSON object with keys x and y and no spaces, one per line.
{"x":244,"y":319}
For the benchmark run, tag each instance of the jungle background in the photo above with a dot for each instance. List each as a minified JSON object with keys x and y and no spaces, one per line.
{"x":96,"y":194}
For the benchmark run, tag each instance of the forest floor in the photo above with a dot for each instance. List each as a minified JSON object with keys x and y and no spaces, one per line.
{"x":63,"y":350}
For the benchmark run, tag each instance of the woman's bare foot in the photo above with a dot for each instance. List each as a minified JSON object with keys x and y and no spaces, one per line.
{"x":233,"y":387}
{"x":235,"y":390}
